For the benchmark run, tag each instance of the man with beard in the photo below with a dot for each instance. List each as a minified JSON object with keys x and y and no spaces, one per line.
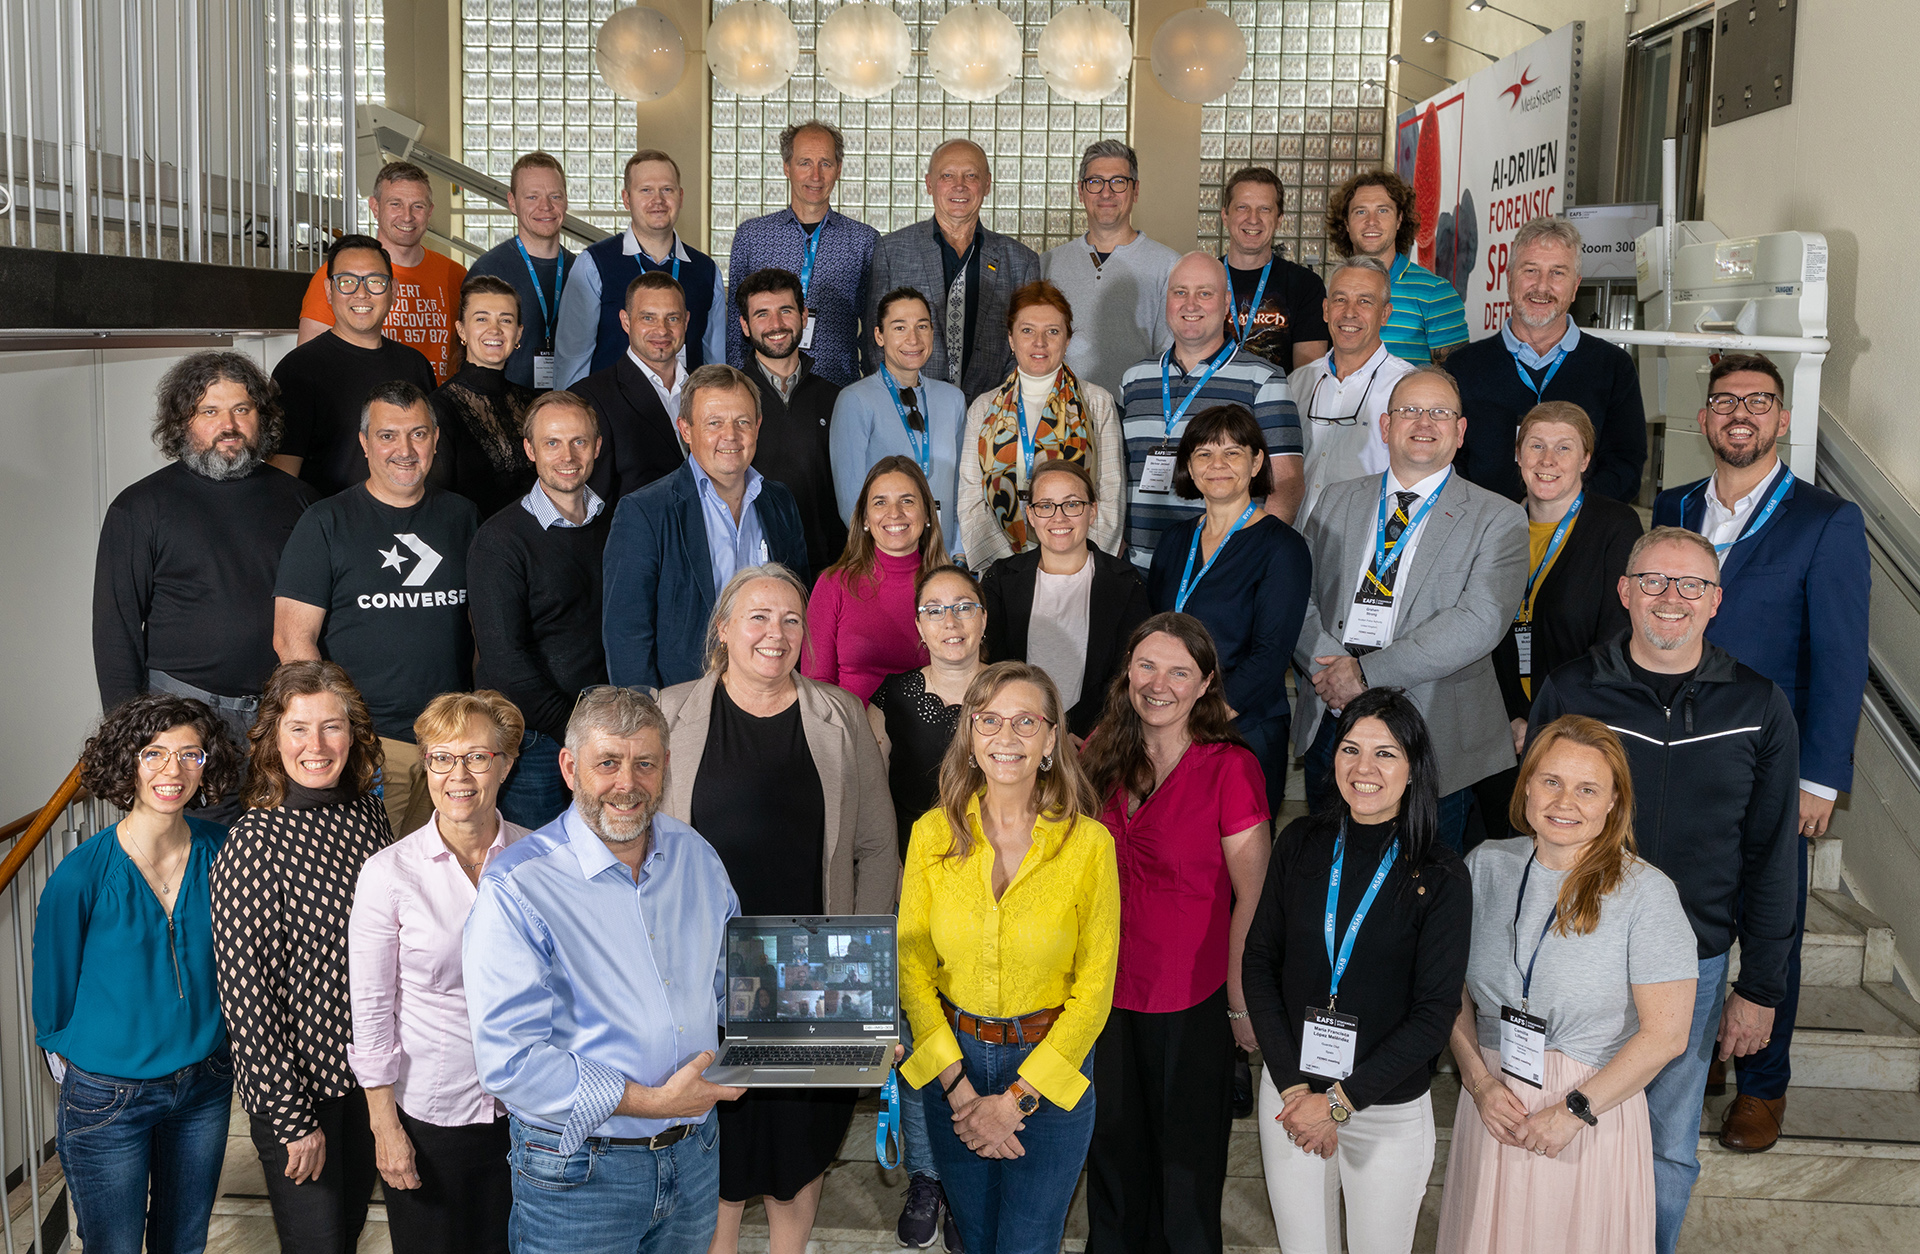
{"x":377,"y":576}
{"x":1540,"y":355}
{"x":796,"y":408}
{"x":1795,"y":573}
{"x":1715,"y":760}
{"x":595,"y":974}
{"x":183,"y":585}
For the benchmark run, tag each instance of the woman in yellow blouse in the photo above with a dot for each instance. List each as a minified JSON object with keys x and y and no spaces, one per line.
{"x":1009,"y":931}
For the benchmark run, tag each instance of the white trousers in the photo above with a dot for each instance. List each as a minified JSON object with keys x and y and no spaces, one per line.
{"x":1382,"y":1166}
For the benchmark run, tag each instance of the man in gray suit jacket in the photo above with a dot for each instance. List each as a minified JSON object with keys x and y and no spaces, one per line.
{"x":965,"y":271}
{"x":1416,"y":577}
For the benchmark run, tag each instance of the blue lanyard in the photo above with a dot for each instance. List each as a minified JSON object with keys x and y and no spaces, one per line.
{"x":887,"y":1132}
{"x":920,"y":441}
{"x":1525,"y":612}
{"x":1172,"y":415}
{"x":559,"y":285}
{"x":1339,"y":964}
{"x":1253,"y":311}
{"x":1553,"y":368}
{"x":1377,"y":573}
{"x":1759,"y":520}
{"x":811,"y":247}
{"x":1188,"y":579}
{"x":1526,"y":976}
{"x":640,"y":255}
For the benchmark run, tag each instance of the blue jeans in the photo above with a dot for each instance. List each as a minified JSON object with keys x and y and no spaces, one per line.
{"x":142,"y":1157}
{"x":1010,"y":1205}
{"x":614,"y":1199}
{"x":1674,"y":1099}
{"x":535,"y":794}
{"x":916,"y":1153}
{"x":1322,"y":792}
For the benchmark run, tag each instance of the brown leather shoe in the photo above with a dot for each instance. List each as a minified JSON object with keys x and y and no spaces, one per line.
{"x":1752,"y":1124}
{"x":1717,"y":1077}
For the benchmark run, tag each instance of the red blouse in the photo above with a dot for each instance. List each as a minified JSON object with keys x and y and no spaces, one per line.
{"x":1176,"y":898}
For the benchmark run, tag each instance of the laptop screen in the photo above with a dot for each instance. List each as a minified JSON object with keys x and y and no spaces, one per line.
{"x":817,"y":977}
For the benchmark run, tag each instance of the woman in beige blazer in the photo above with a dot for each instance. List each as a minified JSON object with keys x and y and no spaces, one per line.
{"x":783,"y":778}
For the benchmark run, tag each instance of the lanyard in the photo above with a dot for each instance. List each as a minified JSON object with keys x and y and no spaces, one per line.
{"x":559,"y":285}
{"x":888,"y":1135}
{"x":1253,"y":311}
{"x":1553,"y":368}
{"x":1339,"y":964}
{"x":1172,"y":415}
{"x":811,"y":247}
{"x":1526,"y":976}
{"x":1188,"y":579}
{"x":1759,"y":519}
{"x":1365,"y":392}
{"x":1525,"y":613}
{"x":920,"y":441}
{"x":1026,"y":437}
{"x":1377,"y":573}
{"x":640,"y":255}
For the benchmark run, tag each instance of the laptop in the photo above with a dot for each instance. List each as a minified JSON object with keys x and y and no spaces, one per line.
{"x":811,"y":1002}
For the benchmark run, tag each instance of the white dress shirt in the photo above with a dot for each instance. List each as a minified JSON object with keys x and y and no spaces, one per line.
{"x":1409,"y":539}
{"x":1336,"y":451}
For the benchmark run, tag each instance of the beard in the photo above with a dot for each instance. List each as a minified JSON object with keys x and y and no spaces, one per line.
{"x":618,"y":829}
{"x":761,"y":347}
{"x":1520,"y":312}
{"x":1667,"y":644}
{"x":1740,"y":459}
{"x":210,"y":463}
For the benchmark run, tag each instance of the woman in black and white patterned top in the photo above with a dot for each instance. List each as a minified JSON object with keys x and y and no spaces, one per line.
{"x":282,"y":891}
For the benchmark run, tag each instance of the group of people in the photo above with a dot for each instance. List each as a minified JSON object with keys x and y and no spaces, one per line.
{"x":962,"y":584}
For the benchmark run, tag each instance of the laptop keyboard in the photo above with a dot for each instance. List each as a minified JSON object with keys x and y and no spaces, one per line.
{"x":805,"y":1055}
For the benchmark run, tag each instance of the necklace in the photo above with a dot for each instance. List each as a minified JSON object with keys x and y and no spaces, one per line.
{"x":165,"y":888}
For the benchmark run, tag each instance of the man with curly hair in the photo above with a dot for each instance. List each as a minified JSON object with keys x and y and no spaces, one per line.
{"x":1373,"y":215}
{"x":183,"y":584}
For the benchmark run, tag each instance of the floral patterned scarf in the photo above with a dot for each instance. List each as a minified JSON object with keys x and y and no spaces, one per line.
{"x":1060,"y":432}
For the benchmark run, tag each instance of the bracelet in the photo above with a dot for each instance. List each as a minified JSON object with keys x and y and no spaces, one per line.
{"x":947,"y":1092}
{"x":1236,"y":1015}
{"x":1473,"y":1090}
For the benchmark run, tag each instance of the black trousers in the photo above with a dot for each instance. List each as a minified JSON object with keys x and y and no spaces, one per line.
{"x":465,"y":1193}
{"x":322,"y":1216}
{"x":1157,"y":1169}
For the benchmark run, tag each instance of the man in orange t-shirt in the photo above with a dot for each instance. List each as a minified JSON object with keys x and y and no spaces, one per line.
{"x":426,"y":294}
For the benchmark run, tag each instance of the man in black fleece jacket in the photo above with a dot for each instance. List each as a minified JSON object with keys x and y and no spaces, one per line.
{"x":1715,"y":756}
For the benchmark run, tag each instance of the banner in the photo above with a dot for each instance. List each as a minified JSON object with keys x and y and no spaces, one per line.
{"x":1485,"y":157}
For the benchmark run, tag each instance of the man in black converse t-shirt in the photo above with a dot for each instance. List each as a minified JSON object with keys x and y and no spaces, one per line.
{"x":375,"y":579}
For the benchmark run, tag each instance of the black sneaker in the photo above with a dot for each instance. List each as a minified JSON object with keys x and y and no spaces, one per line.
{"x":920,"y":1218}
{"x":949,"y":1230}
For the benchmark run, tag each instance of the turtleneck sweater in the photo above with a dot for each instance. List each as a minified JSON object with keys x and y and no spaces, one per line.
{"x":862,"y":629}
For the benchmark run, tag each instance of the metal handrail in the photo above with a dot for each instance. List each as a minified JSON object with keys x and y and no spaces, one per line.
{"x":33,"y":828}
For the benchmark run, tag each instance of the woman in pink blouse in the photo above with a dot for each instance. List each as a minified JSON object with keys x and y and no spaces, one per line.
{"x":860,"y":619}
{"x":440,"y":1141}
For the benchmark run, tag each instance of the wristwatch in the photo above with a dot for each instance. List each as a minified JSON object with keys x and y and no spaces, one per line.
{"x":1577,"y":1103}
{"x":1337,"y":1108}
{"x":1023,"y":1097}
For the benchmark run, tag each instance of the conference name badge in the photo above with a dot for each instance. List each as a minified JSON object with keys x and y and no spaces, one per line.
{"x":1328,"y":1042}
{"x":1523,"y":643}
{"x":1157,"y":477}
{"x":543,"y":371}
{"x":806,"y":333}
{"x":1369,"y":622}
{"x":1523,"y":1046}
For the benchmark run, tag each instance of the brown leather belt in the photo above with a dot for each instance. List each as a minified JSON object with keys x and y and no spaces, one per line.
{"x":1026,"y":1030}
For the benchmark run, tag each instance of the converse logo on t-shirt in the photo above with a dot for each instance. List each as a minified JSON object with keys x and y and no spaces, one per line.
{"x":429,"y":560}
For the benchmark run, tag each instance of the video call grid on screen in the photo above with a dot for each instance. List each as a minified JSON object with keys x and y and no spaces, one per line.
{"x":796,"y":974}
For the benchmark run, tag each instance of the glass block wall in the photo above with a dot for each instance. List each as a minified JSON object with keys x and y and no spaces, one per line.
{"x":1033,"y":137}
{"x":322,"y":123}
{"x":528,"y":82}
{"x":1301,"y":110}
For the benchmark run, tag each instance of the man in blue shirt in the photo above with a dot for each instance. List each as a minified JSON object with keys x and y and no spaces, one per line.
{"x":595,"y":981}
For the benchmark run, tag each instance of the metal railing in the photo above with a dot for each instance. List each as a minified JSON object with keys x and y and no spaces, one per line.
{"x":196,"y":130}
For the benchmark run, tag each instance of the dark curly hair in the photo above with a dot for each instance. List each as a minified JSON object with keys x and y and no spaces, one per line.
{"x":268,"y":787}
{"x":110,"y":764}
{"x":1397,"y":189}
{"x":182,"y":388}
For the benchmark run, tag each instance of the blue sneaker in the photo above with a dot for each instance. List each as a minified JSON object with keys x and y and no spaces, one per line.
{"x":949,"y":1230}
{"x":920,"y":1218}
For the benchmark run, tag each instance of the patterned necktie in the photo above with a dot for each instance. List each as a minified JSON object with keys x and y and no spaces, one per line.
{"x":1396,"y":527}
{"x":957,"y":323}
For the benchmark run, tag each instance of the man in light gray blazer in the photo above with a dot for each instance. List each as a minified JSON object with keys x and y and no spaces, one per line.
{"x":1416,"y":576}
{"x":965,"y":271}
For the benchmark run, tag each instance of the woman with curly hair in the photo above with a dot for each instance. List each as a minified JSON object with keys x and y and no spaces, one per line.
{"x":283,"y":890}
{"x":124,"y":996}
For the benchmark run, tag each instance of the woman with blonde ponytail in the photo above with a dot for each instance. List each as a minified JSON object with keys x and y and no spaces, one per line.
{"x":1579,"y":990}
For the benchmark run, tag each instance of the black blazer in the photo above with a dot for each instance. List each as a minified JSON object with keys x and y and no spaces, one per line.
{"x":638,"y":441}
{"x":1578,"y":605}
{"x":1117,"y":604}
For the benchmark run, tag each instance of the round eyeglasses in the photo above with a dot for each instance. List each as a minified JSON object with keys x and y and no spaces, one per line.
{"x":348,"y":284}
{"x":155,"y":758}
{"x":1690,"y":587}
{"x":1118,"y":185}
{"x":1026,"y":726}
{"x":480,"y":761}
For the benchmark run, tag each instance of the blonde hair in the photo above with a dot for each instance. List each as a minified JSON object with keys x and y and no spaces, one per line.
{"x":1557,"y":411}
{"x":447,"y":715}
{"x":723,"y":608}
{"x":1063,"y":793}
{"x":1604,"y":861}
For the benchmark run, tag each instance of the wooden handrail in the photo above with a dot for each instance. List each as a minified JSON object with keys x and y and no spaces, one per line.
{"x":37,"y":827}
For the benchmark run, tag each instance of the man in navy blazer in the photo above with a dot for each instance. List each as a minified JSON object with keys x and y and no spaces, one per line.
{"x":676,"y":542}
{"x":1794,"y":575}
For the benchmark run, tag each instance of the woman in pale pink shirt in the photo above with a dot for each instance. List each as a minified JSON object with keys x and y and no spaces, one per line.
{"x":440,"y":1140}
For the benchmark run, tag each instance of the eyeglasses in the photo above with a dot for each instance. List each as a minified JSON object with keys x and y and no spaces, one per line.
{"x":1758,"y":404}
{"x":1408,"y":413}
{"x":1072,"y":507}
{"x":1690,"y":587}
{"x":1118,"y":185}
{"x":1026,"y":726}
{"x":961,"y":610}
{"x":348,"y":284}
{"x":156,"y":759}
{"x":480,"y":761}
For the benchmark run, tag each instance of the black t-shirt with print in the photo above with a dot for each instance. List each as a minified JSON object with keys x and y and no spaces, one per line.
{"x":394,"y":585}
{"x":1292,"y":310}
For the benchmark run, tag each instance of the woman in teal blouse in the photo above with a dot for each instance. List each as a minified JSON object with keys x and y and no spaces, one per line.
{"x":124,"y":997}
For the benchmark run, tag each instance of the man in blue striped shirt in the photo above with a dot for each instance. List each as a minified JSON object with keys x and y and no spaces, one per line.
{"x":1159,"y":395}
{"x":1373,"y":215}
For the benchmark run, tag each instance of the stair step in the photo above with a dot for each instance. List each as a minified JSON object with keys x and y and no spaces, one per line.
{"x":1852,"y":1038}
{"x":1846,"y":943}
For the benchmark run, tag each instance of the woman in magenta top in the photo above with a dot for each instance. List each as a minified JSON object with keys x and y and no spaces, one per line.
{"x":860,"y":618}
{"x":1186,"y":801}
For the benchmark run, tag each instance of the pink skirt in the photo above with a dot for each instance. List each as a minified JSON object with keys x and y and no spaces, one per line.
{"x":1595,"y":1198}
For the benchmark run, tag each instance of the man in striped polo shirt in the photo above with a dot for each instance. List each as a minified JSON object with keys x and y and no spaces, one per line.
{"x":1373,"y":215}
{"x":1201,"y":370}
